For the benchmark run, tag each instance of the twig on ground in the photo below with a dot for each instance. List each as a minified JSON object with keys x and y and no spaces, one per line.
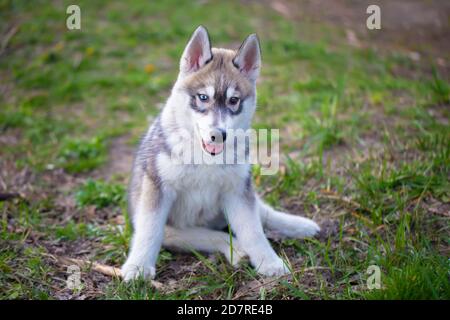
{"x":104,"y":269}
{"x":8,"y":37}
{"x":435,"y":211}
{"x":98,"y":267}
{"x":343,"y":199}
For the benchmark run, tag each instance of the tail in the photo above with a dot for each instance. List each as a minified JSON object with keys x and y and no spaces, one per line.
{"x":287,"y":225}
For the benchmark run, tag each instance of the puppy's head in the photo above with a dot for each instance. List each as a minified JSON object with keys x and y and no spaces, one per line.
{"x":219,"y":87}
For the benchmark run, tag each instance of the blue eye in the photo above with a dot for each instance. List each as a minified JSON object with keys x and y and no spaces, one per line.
{"x":203,"y":97}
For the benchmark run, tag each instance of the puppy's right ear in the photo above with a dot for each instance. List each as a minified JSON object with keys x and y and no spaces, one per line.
{"x":197,"y":52}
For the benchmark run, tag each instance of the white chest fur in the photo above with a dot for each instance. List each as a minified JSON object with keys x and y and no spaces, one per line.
{"x":199,"y":191}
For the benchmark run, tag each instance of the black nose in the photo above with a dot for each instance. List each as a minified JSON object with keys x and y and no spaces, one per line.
{"x":217,"y":133}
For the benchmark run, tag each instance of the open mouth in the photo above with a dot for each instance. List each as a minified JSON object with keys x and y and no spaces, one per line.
{"x":212,"y":148}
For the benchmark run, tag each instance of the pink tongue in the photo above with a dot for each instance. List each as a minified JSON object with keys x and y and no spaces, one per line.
{"x":214,"y":148}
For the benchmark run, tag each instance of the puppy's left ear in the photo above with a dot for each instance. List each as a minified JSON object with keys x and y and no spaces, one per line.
{"x":248,"y":57}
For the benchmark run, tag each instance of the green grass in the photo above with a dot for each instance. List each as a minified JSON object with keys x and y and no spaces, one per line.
{"x":78,"y":155}
{"x":440,"y":88}
{"x":100,"y":194}
{"x":415,"y":276}
{"x":366,"y":150}
{"x":30,"y":280}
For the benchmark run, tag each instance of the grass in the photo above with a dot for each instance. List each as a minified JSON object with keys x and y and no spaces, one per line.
{"x":79,"y":155}
{"x":416,"y":275}
{"x":440,"y":88}
{"x":100,"y":194}
{"x":365,"y":148}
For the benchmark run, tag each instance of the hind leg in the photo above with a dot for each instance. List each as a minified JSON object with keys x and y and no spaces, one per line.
{"x":202,"y":239}
{"x":285,"y":224}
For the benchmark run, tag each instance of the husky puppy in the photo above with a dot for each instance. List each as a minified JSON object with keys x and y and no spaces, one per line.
{"x":187,"y":206}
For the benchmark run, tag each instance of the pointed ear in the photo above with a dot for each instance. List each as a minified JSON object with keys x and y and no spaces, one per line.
{"x":248,"y":57}
{"x":197,"y":52}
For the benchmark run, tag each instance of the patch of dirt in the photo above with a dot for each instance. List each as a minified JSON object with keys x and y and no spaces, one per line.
{"x":15,"y":180}
{"x":120,"y":159}
{"x":417,"y":27}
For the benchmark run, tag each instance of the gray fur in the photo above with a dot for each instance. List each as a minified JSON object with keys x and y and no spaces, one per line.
{"x":152,"y":144}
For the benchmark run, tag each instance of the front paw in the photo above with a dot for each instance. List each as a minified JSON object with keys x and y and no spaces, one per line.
{"x":273,"y":268}
{"x":133,"y":270}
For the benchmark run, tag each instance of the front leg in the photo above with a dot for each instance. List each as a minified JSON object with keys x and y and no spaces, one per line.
{"x":149,"y":219}
{"x":245,"y":221}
